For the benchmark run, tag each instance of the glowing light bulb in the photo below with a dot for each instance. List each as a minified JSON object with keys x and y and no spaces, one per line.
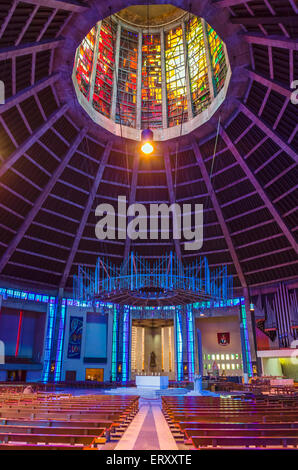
{"x":147,"y":141}
{"x":147,"y":148}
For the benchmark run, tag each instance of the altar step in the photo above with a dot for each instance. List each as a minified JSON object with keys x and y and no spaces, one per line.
{"x":147,"y":393}
{"x":172,"y":392}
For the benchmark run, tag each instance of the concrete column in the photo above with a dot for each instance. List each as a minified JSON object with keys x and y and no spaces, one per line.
{"x":163,"y":81}
{"x":115,"y":75}
{"x":175,"y":347}
{"x":187,"y":78}
{"x":109,"y":345}
{"x":2,"y":345}
{"x":250,"y":334}
{"x":165,"y":346}
{"x":212,"y":88}
{"x":129,"y":347}
{"x":172,"y":346}
{"x":94,"y":63}
{"x":139,"y":83}
{"x":58,"y":337}
{"x":226,"y":54}
{"x":250,"y":325}
{"x":47,"y":374}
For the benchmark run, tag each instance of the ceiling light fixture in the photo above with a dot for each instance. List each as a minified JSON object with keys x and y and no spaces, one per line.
{"x":147,"y":141}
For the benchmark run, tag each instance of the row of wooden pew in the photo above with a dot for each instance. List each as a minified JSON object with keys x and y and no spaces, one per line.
{"x":214,"y":422}
{"x":63,"y":422}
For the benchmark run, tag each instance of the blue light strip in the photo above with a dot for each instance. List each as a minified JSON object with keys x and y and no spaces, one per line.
{"x":58,"y":365}
{"x":49,"y":339}
{"x":114,"y":344}
{"x":179,"y":345}
{"x":247,"y":366}
{"x":125,"y":343}
{"x":23,"y":295}
{"x":190,"y":342}
{"x":35,"y":297}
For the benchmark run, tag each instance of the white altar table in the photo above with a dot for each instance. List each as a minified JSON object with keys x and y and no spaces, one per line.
{"x":156,"y":382}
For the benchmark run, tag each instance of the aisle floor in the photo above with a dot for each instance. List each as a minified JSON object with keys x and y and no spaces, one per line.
{"x":148,"y":430}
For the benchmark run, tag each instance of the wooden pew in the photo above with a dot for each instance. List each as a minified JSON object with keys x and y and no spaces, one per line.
{"x":244,"y":441}
{"x":212,"y":421}
{"x":53,"y":421}
{"x":197,"y":432}
{"x":47,"y":438}
{"x":70,"y":430}
{"x":10,"y":446}
{"x":227,"y":426}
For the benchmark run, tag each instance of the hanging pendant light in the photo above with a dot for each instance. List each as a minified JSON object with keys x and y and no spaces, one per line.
{"x":147,"y":141}
{"x":147,"y":134}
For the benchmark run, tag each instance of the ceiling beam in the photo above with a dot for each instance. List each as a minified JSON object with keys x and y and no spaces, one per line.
{"x":252,"y":227}
{"x":67,"y":5}
{"x":26,"y":26}
{"x":273,"y":211}
{"x":243,"y":214}
{"x":32,"y":139}
{"x":247,"y":112}
{"x":219,"y":213}
{"x":46,"y":25}
{"x":25,"y":49}
{"x":86,"y":213}
{"x":132,"y":197}
{"x":40,"y":200}
{"x":268,"y":268}
{"x":35,"y":268}
{"x":8,"y":17}
{"x":266,"y":254}
{"x":271,"y":84}
{"x":260,"y":240}
{"x":274,"y":41}
{"x":263,"y":20}
{"x":171,"y":194}
{"x":60,"y":32}
{"x":30,"y":91}
{"x":294,"y":5}
{"x":229,"y":3}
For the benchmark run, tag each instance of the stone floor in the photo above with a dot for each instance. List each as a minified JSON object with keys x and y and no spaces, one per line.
{"x":147,"y":431}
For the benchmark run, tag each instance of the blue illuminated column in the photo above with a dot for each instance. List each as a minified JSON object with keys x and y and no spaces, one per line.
{"x":115,"y":342}
{"x":245,"y":343}
{"x":200,"y":353}
{"x":179,"y":343}
{"x":60,"y":340}
{"x":125,"y":343}
{"x":51,"y":317}
{"x":190,"y":342}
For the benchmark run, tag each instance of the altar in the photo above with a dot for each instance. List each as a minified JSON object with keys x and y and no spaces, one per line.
{"x":155,"y":382}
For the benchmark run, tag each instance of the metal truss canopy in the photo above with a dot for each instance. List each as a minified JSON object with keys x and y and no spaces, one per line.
{"x":144,"y":282}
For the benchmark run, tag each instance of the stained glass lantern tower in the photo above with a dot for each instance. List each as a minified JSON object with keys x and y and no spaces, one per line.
{"x":171,"y":77}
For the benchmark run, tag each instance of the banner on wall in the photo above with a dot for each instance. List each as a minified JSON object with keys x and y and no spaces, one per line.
{"x":75,"y":337}
{"x":223,"y":338}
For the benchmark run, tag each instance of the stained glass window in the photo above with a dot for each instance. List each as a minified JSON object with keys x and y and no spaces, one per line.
{"x":198,"y":72}
{"x":112,"y":76}
{"x":84,"y":62}
{"x":126,"y":108}
{"x":175,"y":77}
{"x":151,"y":82}
{"x":103,"y":85}
{"x":218,"y":60}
